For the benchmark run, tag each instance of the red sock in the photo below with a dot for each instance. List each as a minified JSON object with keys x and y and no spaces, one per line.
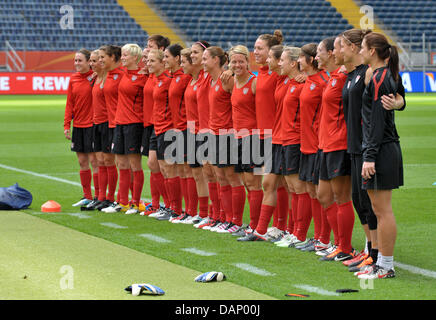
{"x":138,"y":183}
{"x":185,"y":196}
{"x":215,"y":199}
{"x":255,"y":200}
{"x":238,"y":204}
{"x":112,"y":178}
{"x":294,"y":210}
{"x":203,"y":206}
{"x":95,"y":177}
{"x":326,"y":229}
{"x":266,"y":213}
{"x":102,"y":181}
{"x":131,"y":182}
{"x":155,"y":194}
{"x":304,"y":215}
{"x":123,"y":190}
{"x":85,"y":179}
{"x":346,"y":224}
{"x":317,"y":220}
{"x":332,"y":216}
{"x":192,"y":196}
{"x":283,"y":208}
{"x":176,"y":194}
{"x":226,"y":202}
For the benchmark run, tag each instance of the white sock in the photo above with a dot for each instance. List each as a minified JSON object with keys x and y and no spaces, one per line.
{"x":386,"y":262}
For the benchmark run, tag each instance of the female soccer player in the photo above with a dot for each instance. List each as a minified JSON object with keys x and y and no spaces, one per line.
{"x":176,"y":102}
{"x":162,"y":120}
{"x":109,"y":57}
{"x":79,"y":110}
{"x":197,"y":187}
{"x":273,"y":179}
{"x":334,"y":188}
{"x":310,"y":106}
{"x":101,"y":145}
{"x":244,"y":123}
{"x":382,"y":168}
{"x":358,"y":72}
{"x":149,"y":145}
{"x":128,"y":131}
{"x":291,"y":137}
{"x":220,"y":122}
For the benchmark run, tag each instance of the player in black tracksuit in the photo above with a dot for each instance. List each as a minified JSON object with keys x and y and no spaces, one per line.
{"x":352,"y":100}
{"x":382,"y":168}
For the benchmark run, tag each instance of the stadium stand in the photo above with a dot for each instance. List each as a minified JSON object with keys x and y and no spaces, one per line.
{"x":34,"y":25}
{"x":229,"y":22}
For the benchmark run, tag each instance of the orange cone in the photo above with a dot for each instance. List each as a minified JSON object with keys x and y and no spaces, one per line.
{"x":51,"y":206}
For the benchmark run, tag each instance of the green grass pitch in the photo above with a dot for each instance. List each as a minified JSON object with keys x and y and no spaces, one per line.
{"x":33,"y":151}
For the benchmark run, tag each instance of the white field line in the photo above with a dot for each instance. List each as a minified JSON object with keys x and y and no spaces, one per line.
{"x":253,"y":269}
{"x":413,"y":269}
{"x":199,"y":252}
{"x":316,"y":290}
{"x":113,"y":225}
{"x":154,"y":238}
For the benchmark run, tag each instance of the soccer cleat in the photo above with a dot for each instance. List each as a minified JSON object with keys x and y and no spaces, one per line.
{"x":157,"y":213}
{"x":319,"y":246}
{"x":203,"y":222}
{"x":342,"y":256}
{"x":303,"y":244}
{"x":103,"y":204}
{"x":356,"y":260}
{"x":219,"y":226}
{"x":116,"y":208}
{"x":133,"y":210}
{"x":83,"y":202}
{"x":213,"y":225}
{"x":378,"y":272}
{"x":231,"y":227}
{"x":356,"y":268}
{"x":285,"y":240}
{"x":327,"y":251}
{"x":90,"y":206}
{"x":254,"y":236}
{"x":364,"y":270}
{"x":148,"y":210}
{"x":275,"y":234}
{"x":331,"y":256}
{"x":179,"y":219}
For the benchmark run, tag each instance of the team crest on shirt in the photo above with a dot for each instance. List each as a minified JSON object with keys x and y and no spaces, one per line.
{"x":293,"y":89}
{"x":134,"y":78}
{"x":177,"y":79}
{"x":286,"y":80}
{"x":348,"y":85}
{"x":357,"y":79}
{"x":159,"y":84}
{"x":312,"y":86}
{"x":270,"y":72}
{"x":245,"y":91}
{"x":195,"y":88}
{"x":115,"y":76}
{"x":89,"y":78}
{"x":217,"y":87}
{"x":101,"y":85}
{"x":334,"y":82}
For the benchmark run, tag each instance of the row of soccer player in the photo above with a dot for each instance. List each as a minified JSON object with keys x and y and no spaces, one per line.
{"x":320,"y":117}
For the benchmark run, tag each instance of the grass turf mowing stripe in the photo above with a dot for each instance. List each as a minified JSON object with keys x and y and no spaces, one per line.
{"x":316,"y":290}
{"x":154,"y":238}
{"x":253,"y":269}
{"x":43,"y":260}
{"x":199,"y":252}
{"x":113,"y":225}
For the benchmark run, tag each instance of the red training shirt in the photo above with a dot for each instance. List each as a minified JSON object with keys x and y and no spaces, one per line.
{"x":98,"y":103}
{"x":279,"y":96}
{"x":291,"y":114}
{"x":220,"y":115}
{"x":79,"y":101}
{"x":244,"y":109}
{"x":204,"y":81}
{"x":176,"y":94}
{"x":162,"y":118}
{"x":265,"y":102}
{"x":148,"y":100}
{"x":110,"y":91}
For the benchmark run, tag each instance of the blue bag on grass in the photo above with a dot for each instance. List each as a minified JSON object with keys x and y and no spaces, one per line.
{"x":14,"y":198}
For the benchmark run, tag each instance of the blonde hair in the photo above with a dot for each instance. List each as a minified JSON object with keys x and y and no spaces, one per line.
{"x":240,"y":49}
{"x":134,"y":50}
{"x":293,"y":53}
{"x":187,"y":54}
{"x":159,"y":53}
{"x":215,"y":51}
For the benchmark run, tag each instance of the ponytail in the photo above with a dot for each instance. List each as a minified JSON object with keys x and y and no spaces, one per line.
{"x":385,"y":51}
{"x":394,"y":63}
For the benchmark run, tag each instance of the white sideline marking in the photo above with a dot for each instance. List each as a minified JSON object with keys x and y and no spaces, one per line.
{"x":79,"y":215}
{"x":75,"y":214}
{"x":316,"y":290}
{"x":154,"y":238}
{"x":199,"y":252}
{"x":424,"y":272}
{"x":413,"y":269}
{"x":253,"y":269}
{"x":113,"y":225}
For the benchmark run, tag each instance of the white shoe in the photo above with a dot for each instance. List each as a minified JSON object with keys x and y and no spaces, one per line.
{"x":82,"y":202}
{"x":132,"y":210}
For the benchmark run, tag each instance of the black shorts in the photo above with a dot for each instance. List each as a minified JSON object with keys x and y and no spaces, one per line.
{"x":146,"y":137}
{"x":224,"y":149}
{"x":102,"y":140}
{"x":276,"y":159}
{"x":127,"y":138}
{"x":307,"y":168}
{"x":171,"y":146}
{"x":291,"y":159}
{"x":249,"y":154}
{"x":334,"y":164}
{"x":388,"y":169}
{"x":81,"y":140}
{"x":194,"y":158}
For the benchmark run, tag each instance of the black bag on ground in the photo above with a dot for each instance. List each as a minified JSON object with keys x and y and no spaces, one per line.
{"x":14,"y":198}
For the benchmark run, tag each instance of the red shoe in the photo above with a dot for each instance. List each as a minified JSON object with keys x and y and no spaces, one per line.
{"x":357,"y":259}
